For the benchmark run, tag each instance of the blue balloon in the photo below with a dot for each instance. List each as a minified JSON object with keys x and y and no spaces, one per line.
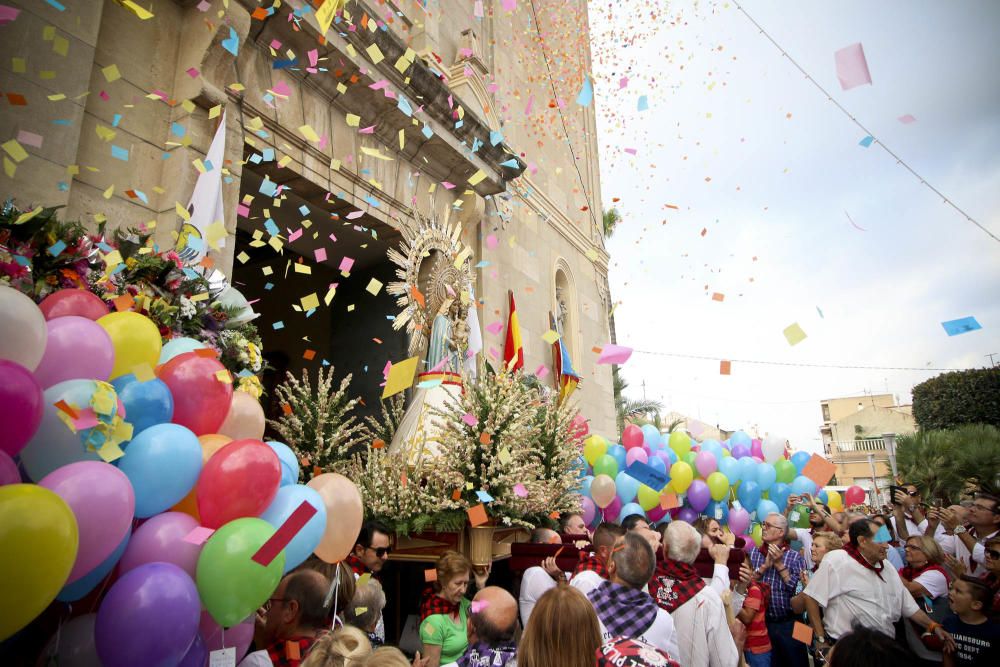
{"x":740,"y":438}
{"x":671,"y":454}
{"x":730,"y":467}
{"x":779,"y":494}
{"x":823,"y":497}
{"x":146,"y":403}
{"x":177,"y":346}
{"x":802,"y":485}
{"x":713,"y":447}
{"x":766,"y":476}
{"x":585,"y":483}
{"x":617,"y":452}
{"x":289,"y":462}
{"x":651,"y":436}
{"x":747,"y":469}
{"x":163,"y":463}
{"x":766,"y":507}
{"x":630,"y":509}
{"x":718,"y":510}
{"x":656,"y":463}
{"x":307,"y":539}
{"x":800,"y":459}
{"x":749,"y":494}
{"x":82,"y":586}
{"x":626,"y":487}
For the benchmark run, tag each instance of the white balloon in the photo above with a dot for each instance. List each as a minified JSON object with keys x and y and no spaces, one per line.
{"x":773,"y":448}
{"x":76,"y":647}
{"x":22,"y":329}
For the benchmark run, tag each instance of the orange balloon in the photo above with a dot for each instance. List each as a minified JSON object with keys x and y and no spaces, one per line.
{"x":344,"y":514}
{"x":210,"y":444}
{"x":245,"y":419}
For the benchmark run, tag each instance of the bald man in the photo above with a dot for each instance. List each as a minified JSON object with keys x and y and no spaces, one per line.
{"x":491,"y":628}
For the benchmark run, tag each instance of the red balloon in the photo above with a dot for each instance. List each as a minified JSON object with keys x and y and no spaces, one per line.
{"x":854,"y":495}
{"x":201,"y":399}
{"x":632,"y":437}
{"x":240,"y":480}
{"x":79,"y":302}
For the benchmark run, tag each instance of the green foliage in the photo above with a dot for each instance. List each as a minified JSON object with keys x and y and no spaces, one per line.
{"x":941,"y":463}
{"x":609,"y":221}
{"x":957,"y":398}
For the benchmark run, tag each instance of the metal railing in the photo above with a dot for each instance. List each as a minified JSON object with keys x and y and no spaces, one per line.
{"x":865,"y":445}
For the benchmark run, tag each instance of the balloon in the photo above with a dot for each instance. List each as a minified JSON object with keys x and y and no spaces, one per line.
{"x":680,"y":442}
{"x":201,"y":400}
{"x":149,"y":617}
{"x":834,"y":501}
{"x":779,"y":494}
{"x":618,"y":453}
{"x":656,"y":513}
{"x":75,"y":348}
{"x":648,"y":497}
{"x":240,"y":480}
{"x":178,"y":346}
{"x":712,"y":447}
{"x":136,"y":340}
{"x":656,"y":462}
{"x":80,"y":588}
{"x":579,"y":426}
{"x":606,"y":465}
{"x":636,"y":454}
{"x":594,"y":448}
{"x":9,"y":474}
{"x":632,"y":436}
{"x":698,"y":495}
{"x":628,"y":510}
{"x":344,"y":514}
{"x":289,"y":462}
{"x":757,"y":449}
{"x":611,"y":512}
{"x":584,"y":489}
{"x":161,"y":539}
{"x":705,"y":463}
{"x":245,"y":418}
{"x":784,"y":470}
{"x":855,"y":495}
{"x":73,"y":645}
{"x":802,"y":485}
{"x":800,"y":459}
{"x":54,"y":445}
{"x":681,"y":475}
{"x":73,"y":301}
{"x":739,"y":520}
{"x":588,"y":509}
{"x":651,"y":436}
{"x":690,"y":458}
{"x":21,"y":406}
{"x":766,"y":476}
{"x":197,"y":655}
{"x":210,"y":444}
{"x":22,"y":329}
{"x":238,"y":636}
{"x":773,"y":448}
{"x":823,"y":497}
{"x":687,"y":515}
{"x":103,"y":502}
{"x":602,"y":490}
{"x":626,"y":486}
{"x":146,"y":403}
{"x":730,"y":467}
{"x":757,"y":534}
{"x":38,"y":546}
{"x":747,"y":469}
{"x":749,"y":494}
{"x":740,"y":451}
{"x":718,"y":510}
{"x":740,"y":438}
{"x":767,"y":507}
{"x":718,"y":485}
{"x":231,"y":584}
{"x":163,"y":463}
{"x":287,"y":501}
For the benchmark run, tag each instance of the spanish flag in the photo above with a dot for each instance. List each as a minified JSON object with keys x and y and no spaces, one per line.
{"x":566,"y":377}
{"x":513,"y":350}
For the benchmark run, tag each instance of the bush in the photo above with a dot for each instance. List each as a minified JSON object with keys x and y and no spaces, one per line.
{"x":958,"y":398}
{"x":944,"y":463}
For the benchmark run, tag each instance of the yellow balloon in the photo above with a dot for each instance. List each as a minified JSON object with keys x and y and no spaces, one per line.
{"x":757,"y":534}
{"x":594,"y":448}
{"x":135,"y":338}
{"x":718,"y":485}
{"x":680,"y":442}
{"x":681,"y":476}
{"x":39,"y":538}
{"x":648,"y":498}
{"x":834,"y":501}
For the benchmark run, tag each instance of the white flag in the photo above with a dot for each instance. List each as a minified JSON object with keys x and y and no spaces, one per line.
{"x":475,"y":334}
{"x":201,"y":232}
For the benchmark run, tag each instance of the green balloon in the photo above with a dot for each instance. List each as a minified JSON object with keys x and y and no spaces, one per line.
{"x":689,"y":458}
{"x":606,"y":465}
{"x":232,"y":585}
{"x":785,"y":469}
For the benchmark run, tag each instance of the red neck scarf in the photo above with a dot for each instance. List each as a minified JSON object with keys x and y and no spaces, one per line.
{"x":911,"y":573}
{"x":432,"y":603}
{"x":357,"y":565}
{"x":591,"y":563}
{"x":853,"y":552}
{"x":283,"y":653}
{"x":674,"y":583}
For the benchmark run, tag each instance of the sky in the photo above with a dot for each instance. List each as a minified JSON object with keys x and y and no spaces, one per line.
{"x":780,"y":210}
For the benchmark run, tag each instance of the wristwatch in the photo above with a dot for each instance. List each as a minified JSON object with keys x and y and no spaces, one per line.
{"x":959,"y":529}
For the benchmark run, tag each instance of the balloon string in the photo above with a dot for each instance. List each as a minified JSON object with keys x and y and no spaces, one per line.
{"x":334,"y":593}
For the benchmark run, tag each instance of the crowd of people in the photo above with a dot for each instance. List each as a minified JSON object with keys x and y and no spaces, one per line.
{"x":914,"y":585}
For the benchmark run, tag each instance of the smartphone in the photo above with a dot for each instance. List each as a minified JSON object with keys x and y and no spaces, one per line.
{"x":892,"y":493}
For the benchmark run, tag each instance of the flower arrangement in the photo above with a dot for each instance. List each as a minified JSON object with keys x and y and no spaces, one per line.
{"x":560,"y":444}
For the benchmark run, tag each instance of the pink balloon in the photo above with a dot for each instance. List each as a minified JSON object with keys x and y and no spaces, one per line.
{"x":79,"y":302}
{"x":9,"y":474}
{"x":21,"y":406}
{"x":103,"y":502}
{"x":757,"y":449}
{"x":636,"y":454}
{"x":656,"y":513}
{"x":77,"y":348}
{"x":612,"y":511}
{"x":632,"y":437}
{"x":161,"y":539}
{"x":589,"y":510}
{"x":748,"y":544}
{"x":239,"y":635}
{"x":854,"y":495}
{"x":705,"y":463}
{"x":739,"y":521}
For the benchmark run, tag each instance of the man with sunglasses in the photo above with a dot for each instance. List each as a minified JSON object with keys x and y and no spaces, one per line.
{"x":779,"y":567}
{"x":967,"y":544}
{"x":371,"y":551}
{"x":908,"y":517}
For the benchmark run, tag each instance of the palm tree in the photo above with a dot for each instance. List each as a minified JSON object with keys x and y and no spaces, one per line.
{"x":610,"y":220}
{"x":942,"y":462}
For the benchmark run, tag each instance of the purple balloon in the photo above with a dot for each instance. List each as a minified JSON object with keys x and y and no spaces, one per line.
{"x":739,"y":451}
{"x":149,"y":617}
{"x":739,"y":521}
{"x":687,"y":515}
{"x":9,"y":474}
{"x":103,"y":502}
{"x":612,"y":511}
{"x":77,"y":348}
{"x":239,"y":636}
{"x":197,"y":655}
{"x":161,"y":539}
{"x":21,"y":406}
{"x":698,"y":495}
{"x":589,"y":510}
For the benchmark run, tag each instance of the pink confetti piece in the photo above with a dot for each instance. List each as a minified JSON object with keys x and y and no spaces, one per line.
{"x":631,"y":151}
{"x":198,"y":535}
{"x":614,"y":354}
{"x":541,"y":371}
{"x":492,"y":242}
{"x":447,"y":186}
{"x":104,"y":96}
{"x":623,"y":82}
{"x":478,"y":605}
{"x":313,"y":57}
{"x":354,"y":215}
{"x":346,"y":264}
{"x":87,"y":419}
{"x":852,"y":67}
{"x":243,"y":211}
{"x":531,"y":103}
{"x":520,"y":491}
{"x":495,"y":328}
{"x":30,"y":138}
{"x":388,"y":367}
{"x":275,"y":44}
{"x":320,"y":254}
{"x":907,"y":119}
{"x":282,"y":88}
{"x":294,"y":236}
{"x":193,"y":72}
{"x":470,"y":419}
{"x":367,"y":130}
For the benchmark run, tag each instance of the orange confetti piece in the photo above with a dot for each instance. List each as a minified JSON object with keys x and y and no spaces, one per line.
{"x":596,"y":350}
{"x":207,"y":352}
{"x":485,"y":438}
{"x":309,"y":355}
{"x":725,"y":367}
{"x":718,"y":296}
{"x":378,"y":443}
{"x":417,"y":296}
{"x":477,"y":515}
{"x":456,"y":494}
{"x":286,"y":408}
{"x":68,"y":409}
{"x":430,"y":575}
{"x":124,"y":302}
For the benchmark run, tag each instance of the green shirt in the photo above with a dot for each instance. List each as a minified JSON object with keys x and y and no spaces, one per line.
{"x":447,"y":632}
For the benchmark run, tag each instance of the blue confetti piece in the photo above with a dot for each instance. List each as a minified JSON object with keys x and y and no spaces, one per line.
{"x":177,"y":129}
{"x":267,"y":155}
{"x":271,"y":227}
{"x":427,"y":131}
{"x":104,"y":246}
{"x":484,"y":497}
{"x":62,"y":121}
{"x":304,"y":210}
{"x":512,"y":163}
{"x":232,"y":44}
{"x":57,"y":5}
{"x":586,"y":95}
{"x":867,"y":141}
{"x":63,"y":186}
{"x":268,"y":286}
{"x":278,"y":325}
{"x":256,"y":158}
{"x":476,"y":145}
{"x":116,"y":120}
{"x":459,"y":123}
{"x":643,"y":104}
{"x":309,"y":313}
{"x":119,"y":153}
{"x":56,"y":248}
{"x":284,"y":64}
{"x":22,"y":260}
{"x":404,"y":105}
{"x":882,"y":535}
{"x":961,"y":326}
{"x":495,"y":137}
{"x":268,"y":187}
{"x":208,"y":165}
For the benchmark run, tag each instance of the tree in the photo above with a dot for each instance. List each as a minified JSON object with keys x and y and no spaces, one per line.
{"x":961,"y":397}
{"x":609,"y":221}
{"x":942,"y":463}
{"x":629,"y":409}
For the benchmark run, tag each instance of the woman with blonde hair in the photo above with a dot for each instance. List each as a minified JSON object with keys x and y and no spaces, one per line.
{"x":444,"y":610}
{"x":345,"y":647}
{"x":390,"y":656}
{"x":924,"y":575}
{"x":562,"y":632}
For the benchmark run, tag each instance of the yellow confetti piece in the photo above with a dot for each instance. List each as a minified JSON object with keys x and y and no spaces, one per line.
{"x":375,"y":54}
{"x":201,"y":296}
{"x":111,"y":73}
{"x":215,"y":111}
{"x":550,"y":336}
{"x":18,"y":65}
{"x":504,"y":456}
{"x":105,"y":133}
{"x":27,"y":215}
{"x":341,"y":88}
{"x":309,"y":133}
{"x":466,"y":251}
{"x":351,"y":51}
{"x":285,"y":161}
{"x":400,"y":377}
{"x":375,"y":153}
{"x":224,"y":376}
{"x":107,"y":194}
{"x":56,"y":97}
{"x":402,"y":139}
{"x":310,"y":302}
{"x":48,"y":33}
{"x":188,"y":106}
{"x":794,"y":334}
{"x":325,"y":15}
{"x":303,"y":268}
{"x":9,"y":167}
{"x":243,"y":257}
{"x":113,"y":258}
{"x":110,"y":451}
{"x":352,"y":120}
{"x":374,"y":287}
{"x":60,"y":45}
{"x":477,"y":177}
{"x":181,"y":211}
{"x":199,"y":165}
{"x":140,"y":12}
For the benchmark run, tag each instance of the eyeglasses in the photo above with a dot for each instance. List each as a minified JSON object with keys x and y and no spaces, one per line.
{"x":267,"y":603}
{"x":381,"y":552}
{"x":993,"y":553}
{"x":913,"y":493}
{"x":977,"y":506}
{"x":772,"y":526}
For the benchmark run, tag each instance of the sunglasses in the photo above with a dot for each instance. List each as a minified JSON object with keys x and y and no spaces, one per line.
{"x":381,"y":552}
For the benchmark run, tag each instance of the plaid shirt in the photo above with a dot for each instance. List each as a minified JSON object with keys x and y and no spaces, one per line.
{"x":624,"y":611}
{"x":432,"y":603}
{"x":591,"y":563}
{"x":779,"y":606}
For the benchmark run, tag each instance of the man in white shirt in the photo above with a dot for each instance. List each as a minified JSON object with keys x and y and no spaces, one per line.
{"x":854,"y":586}
{"x":698,"y":612}
{"x":623,"y":608}
{"x":967,"y":544}
{"x":538,"y":579}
